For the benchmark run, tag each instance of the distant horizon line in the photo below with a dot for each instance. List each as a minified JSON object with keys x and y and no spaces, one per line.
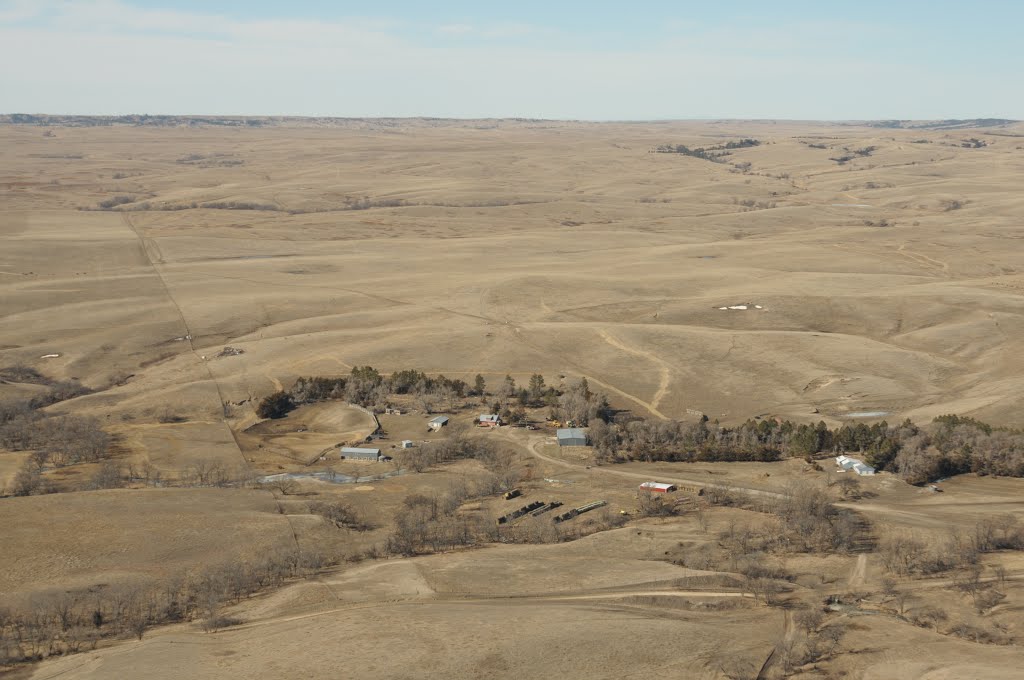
{"x":990,"y":120}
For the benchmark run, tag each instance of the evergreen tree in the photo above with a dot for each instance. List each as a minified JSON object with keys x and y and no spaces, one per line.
{"x":275,"y":405}
{"x":536,"y":388}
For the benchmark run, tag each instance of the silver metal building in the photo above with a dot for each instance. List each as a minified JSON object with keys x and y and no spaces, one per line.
{"x":353,"y":453}
{"x":572,"y":436}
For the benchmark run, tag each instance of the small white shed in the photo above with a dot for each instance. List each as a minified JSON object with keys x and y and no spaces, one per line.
{"x":845,"y":462}
{"x":855,"y":464}
{"x":658,"y":487}
{"x":863,"y":469}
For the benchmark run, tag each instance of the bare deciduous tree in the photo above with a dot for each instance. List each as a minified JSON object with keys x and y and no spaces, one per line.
{"x":834,"y":634}
{"x":27,"y":480}
{"x":286,"y":486}
{"x":1000,"y":572}
{"x":849,"y":487}
{"x":108,"y":476}
{"x":809,"y":620}
{"x":340,"y":514}
{"x":702,"y":519}
{"x":929,"y":616}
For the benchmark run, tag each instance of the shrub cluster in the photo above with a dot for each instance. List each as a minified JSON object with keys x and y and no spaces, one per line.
{"x":948,"y":446}
{"x":368,"y":387}
{"x":906,"y":553}
{"x":66,"y":622}
{"x":55,"y":441}
{"x":715,"y":154}
{"x":672,"y":440}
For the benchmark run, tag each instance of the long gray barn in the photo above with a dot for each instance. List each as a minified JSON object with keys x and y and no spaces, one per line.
{"x":353,"y":453}
{"x":572,"y":436}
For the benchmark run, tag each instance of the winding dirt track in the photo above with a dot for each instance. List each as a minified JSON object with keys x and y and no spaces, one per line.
{"x":504,"y":599}
{"x":663,"y":368}
{"x":532,"y":444}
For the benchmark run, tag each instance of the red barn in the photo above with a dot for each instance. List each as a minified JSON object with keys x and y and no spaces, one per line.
{"x":658,"y":487}
{"x":489,"y":420}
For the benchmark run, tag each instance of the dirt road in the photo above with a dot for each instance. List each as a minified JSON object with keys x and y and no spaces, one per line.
{"x":859,"y":572}
{"x":532,"y":442}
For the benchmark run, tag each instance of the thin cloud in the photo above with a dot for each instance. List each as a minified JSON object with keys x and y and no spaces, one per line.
{"x":114,"y":15}
{"x":455,"y":29}
{"x":14,"y":11}
{"x":107,"y":56}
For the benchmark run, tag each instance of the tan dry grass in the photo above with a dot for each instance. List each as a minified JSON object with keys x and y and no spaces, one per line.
{"x":565,"y":249}
{"x":77,"y":540}
{"x":914,"y":318}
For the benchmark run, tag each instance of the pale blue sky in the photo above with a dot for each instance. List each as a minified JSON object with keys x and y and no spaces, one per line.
{"x":594,"y":60}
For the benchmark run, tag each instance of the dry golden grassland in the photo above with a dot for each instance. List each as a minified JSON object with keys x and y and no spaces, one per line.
{"x":779,"y":282}
{"x":555,"y":248}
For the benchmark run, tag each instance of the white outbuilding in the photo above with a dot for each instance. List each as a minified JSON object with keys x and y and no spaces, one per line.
{"x":863,"y":469}
{"x":845,"y":462}
{"x":855,"y":464}
{"x":658,"y":487}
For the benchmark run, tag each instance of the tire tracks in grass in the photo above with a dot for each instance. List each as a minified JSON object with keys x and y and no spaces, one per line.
{"x":665,"y":372}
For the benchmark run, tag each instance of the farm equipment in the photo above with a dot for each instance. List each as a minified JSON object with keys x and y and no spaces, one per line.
{"x":566,"y":516}
{"x":545,"y":508}
{"x":520,"y":512}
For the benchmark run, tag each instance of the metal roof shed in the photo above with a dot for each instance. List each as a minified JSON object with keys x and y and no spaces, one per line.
{"x":572,"y":436}
{"x":353,"y":453}
{"x":658,"y":486}
{"x":863,"y":469}
{"x":846,"y":463}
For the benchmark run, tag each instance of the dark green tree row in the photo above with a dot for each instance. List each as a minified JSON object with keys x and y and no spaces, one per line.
{"x":949,"y":445}
{"x":715,"y":154}
{"x":366,"y":386}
